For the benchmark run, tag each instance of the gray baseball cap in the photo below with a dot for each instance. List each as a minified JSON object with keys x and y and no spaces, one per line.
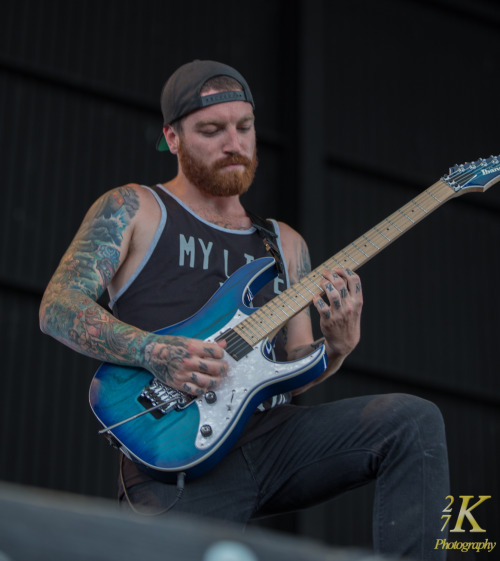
{"x":181,"y":93}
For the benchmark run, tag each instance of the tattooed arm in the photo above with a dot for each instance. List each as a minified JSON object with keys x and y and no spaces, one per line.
{"x":110,"y":238}
{"x":339,"y":311}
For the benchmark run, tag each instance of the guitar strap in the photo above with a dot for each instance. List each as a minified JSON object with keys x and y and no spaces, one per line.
{"x":266,"y":232}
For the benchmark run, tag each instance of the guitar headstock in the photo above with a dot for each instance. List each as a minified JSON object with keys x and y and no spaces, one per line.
{"x":476,"y":176}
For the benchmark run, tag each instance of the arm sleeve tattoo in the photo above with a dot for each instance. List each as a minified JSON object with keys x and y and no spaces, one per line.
{"x":69,"y":311}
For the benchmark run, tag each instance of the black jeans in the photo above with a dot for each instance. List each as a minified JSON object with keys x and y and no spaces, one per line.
{"x":321,"y":452}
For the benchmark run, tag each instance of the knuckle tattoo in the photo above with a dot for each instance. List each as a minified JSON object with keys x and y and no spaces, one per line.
{"x":210,"y":352}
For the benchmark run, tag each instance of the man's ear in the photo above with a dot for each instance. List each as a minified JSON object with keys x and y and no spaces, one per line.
{"x":172,"y":139}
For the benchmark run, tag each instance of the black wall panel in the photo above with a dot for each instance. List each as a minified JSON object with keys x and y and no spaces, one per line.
{"x":360,"y":106}
{"x":417,"y":86}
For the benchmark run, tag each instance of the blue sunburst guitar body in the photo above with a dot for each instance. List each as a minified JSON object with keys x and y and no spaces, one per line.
{"x":167,"y":432}
{"x":194,"y":437}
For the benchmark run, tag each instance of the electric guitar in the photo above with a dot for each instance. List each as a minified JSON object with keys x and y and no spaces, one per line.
{"x":166,"y":431}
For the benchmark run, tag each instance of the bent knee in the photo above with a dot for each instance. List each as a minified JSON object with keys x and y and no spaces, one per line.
{"x":400,"y":409}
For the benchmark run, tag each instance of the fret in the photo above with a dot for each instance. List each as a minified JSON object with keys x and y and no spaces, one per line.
{"x":337,"y":261}
{"x":262,"y":312}
{"x":272,"y":306}
{"x":280,"y":297}
{"x":419,"y":206}
{"x":282,"y":309}
{"x":246,"y":332}
{"x":392,"y":224}
{"x":304,"y":286}
{"x":248,"y":337}
{"x":315,"y":284}
{"x":265,"y":319}
{"x":349,"y":257}
{"x":287,"y":295}
{"x":298,"y":293}
{"x":435,"y":198}
{"x":360,"y":250}
{"x":262,"y":316}
{"x":369,"y":241}
{"x":253,"y":332}
{"x":292,"y":298}
{"x":258,"y":327}
{"x":406,"y":216}
{"x":382,"y":234}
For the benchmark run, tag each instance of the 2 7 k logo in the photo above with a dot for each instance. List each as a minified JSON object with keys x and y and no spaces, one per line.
{"x":465,"y":512}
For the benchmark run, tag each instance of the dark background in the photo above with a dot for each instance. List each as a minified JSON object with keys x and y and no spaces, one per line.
{"x":361,"y":105}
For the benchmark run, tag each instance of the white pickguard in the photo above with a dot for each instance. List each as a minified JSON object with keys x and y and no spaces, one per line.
{"x":245,"y":377}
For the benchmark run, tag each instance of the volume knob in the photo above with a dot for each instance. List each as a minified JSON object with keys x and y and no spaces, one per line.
{"x":206,"y":431}
{"x":210,"y":397}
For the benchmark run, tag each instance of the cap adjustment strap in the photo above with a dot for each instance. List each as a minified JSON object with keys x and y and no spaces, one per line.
{"x":221,"y":97}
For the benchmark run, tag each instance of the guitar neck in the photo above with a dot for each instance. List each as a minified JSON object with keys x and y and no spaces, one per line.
{"x":274,"y":315}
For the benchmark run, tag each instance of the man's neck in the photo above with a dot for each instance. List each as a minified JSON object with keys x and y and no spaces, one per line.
{"x":227,"y":212}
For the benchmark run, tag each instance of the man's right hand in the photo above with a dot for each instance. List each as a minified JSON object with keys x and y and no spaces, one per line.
{"x":189,"y":365}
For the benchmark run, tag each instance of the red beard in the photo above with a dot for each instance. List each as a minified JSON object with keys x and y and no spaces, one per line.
{"x":213,"y":181}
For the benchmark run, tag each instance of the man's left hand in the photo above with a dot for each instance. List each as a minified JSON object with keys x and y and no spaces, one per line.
{"x":340,"y":318}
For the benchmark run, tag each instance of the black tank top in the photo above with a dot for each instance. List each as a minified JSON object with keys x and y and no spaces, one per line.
{"x":188,"y":260}
{"x":186,"y":263}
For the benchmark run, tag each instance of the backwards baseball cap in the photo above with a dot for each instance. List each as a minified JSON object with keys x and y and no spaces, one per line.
{"x":181,"y":93}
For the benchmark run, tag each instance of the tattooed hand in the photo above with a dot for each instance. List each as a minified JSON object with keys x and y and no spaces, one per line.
{"x":340,"y":319}
{"x":189,"y":365}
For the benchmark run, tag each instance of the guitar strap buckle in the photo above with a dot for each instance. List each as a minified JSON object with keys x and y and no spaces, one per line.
{"x":266,"y":232}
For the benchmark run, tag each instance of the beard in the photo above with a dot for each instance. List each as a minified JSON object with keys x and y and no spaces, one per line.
{"x":211,"y":179}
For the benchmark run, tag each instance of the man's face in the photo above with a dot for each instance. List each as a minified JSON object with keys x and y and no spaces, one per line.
{"x":217,"y":148}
